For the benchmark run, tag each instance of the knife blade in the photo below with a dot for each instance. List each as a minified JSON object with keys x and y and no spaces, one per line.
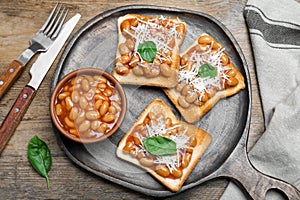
{"x":38,"y":71}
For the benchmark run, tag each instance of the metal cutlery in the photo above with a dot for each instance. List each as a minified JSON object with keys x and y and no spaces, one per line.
{"x":38,"y":71}
{"x":40,"y":42}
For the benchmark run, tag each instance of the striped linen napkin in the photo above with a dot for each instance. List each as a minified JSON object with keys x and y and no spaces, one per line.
{"x":274,"y":28}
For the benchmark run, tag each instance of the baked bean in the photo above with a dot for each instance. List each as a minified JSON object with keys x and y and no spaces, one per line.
{"x":116,"y":105}
{"x":125,"y":59}
{"x":180,"y":86}
{"x":69,"y":103}
{"x":122,"y":69}
{"x":182,"y":102}
{"x":134,"y":22}
{"x":95,"y":125}
{"x":205,"y":39}
{"x":128,"y":146}
{"x":125,"y":25}
{"x":191,"y":97}
{"x":100,"y":97}
{"x":112,"y":110}
{"x":185,"y":90}
{"x":90,"y":79}
{"x":152,"y":71}
{"x":109,"y":118}
{"x":147,"y":162}
{"x":92,"y":115}
{"x":74,"y":113}
{"x":74,"y":132}
{"x":83,"y":102}
{"x":166,"y":70}
{"x":101,"y":86}
{"x":108,"y":92}
{"x":152,"y":115}
{"x":63,"y":95}
{"x":98,"y":104}
{"x":186,"y":160}
{"x":181,"y":28}
{"x":85,"y":85}
{"x":130,"y":44}
{"x":197,"y":102}
{"x":135,"y":59}
{"x":193,"y":141}
{"x":104,"y":108}
{"x":201,"y":48}
{"x":217,"y":45}
{"x":102,"y":128}
{"x":123,"y":49}
{"x":84,"y":126}
{"x":75,"y":96}
{"x":204,"y":96}
{"x":69,"y":123}
{"x":168,"y":122}
{"x":136,"y":140}
{"x":162,"y":170}
{"x":224,"y":59}
{"x":58,"y":109}
{"x":89,"y":95}
{"x":231,"y":73}
{"x":80,"y":117}
{"x":177,"y":172}
{"x":232,"y":81}
{"x":184,"y":59}
{"x":100,"y":79}
{"x":138,"y":71}
{"x":156,"y":62}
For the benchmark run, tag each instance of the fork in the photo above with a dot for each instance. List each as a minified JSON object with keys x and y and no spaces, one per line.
{"x":40,"y":42}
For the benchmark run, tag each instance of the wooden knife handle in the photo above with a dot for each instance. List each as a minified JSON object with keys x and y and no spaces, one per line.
{"x":15,"y":115}
{"x":10,"y":74}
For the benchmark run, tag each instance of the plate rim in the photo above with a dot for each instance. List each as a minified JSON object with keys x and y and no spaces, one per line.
{"x":72,"y":40}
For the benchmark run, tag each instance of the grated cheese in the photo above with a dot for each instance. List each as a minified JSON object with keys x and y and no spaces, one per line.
{"x":152,"y":30}
{"x":203,"y":84}
{"x":181,"y":140}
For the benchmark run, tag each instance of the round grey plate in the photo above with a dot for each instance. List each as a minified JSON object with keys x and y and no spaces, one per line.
{"x":95,"y":45}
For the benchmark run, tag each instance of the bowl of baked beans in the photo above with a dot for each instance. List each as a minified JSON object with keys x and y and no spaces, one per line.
{"x":88,"y":105}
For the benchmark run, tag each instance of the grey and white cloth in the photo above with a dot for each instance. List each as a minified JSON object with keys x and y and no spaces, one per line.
{"x":274,"y":28}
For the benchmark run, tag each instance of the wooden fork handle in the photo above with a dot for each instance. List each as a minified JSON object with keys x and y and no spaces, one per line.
{"x":15,"y":115}
{"x":10,"y":74}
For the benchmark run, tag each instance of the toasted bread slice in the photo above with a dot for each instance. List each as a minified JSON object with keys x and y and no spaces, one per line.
{"x":148,"y":50}
{"x":158,"y":120}
{"x":201,"y":87}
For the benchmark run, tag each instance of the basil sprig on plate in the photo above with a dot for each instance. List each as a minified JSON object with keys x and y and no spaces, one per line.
{"x":207,"y":70}
{"x":147,"y":51}
{"x":160,"y":146}
{"x":39,"y":156}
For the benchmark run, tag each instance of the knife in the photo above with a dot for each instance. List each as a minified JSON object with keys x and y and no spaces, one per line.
{"x":38,"y":71}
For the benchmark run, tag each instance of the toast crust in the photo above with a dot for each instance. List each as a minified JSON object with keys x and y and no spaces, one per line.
{"x":194,"y":111}
{"x":138,"y":71}
{"x":203,"y":140}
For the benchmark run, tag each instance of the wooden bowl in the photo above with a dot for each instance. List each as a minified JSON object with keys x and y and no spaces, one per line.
{"x":77,"y":105}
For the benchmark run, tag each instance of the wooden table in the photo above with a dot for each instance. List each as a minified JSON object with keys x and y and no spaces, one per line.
{"x":19,"y":20}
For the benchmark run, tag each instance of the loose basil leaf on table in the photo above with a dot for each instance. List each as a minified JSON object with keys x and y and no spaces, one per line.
{"x":160,"y":146}
{"x":147,"y":51}
{"x":40,"y":157}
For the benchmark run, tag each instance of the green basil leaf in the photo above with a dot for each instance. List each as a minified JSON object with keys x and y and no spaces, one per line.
{"x":160,"y":146}
{"x":147,"y":51}
{"x":40,"y":157}
{"x":207,"y":70}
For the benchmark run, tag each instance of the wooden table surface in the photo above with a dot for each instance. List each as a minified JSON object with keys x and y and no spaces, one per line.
{"x":19,"y":20}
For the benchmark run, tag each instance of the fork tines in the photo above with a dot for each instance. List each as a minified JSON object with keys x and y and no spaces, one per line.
{"x":55,"y":21}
